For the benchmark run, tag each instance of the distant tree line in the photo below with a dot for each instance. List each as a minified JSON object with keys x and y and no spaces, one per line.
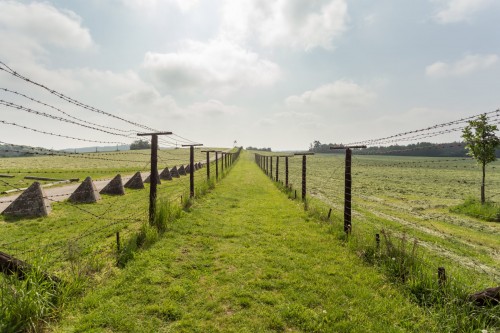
{"x":259,"y":149}
{"x":450,"y":149}
{"x":140,"y":144}
{"x":15,"y":151}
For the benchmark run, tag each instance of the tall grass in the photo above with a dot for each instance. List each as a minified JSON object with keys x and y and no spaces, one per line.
{"x":414,"y":271}
{"x":28,"y":303}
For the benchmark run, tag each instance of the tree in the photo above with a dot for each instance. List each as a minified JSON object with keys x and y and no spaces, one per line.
{"x":140,"y":144}
{"x":481,"y":141}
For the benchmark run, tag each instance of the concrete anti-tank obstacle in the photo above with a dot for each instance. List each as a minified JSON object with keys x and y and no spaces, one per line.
{"x":148,"y":179}
{"x":135,"y":182}
{"x":182,"y":171}
{"x":114,"y":187}
{"x":188,"y":169}
{"x":31,"y":203}
{"x":165,"y":174}
{"x":174,"y":172}
{"x":85,"y":193}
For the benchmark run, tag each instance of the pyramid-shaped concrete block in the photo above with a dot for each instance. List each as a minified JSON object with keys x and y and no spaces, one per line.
{"x":148,"y":179}
{"x":165,"y":174}
{"x":31,"y":203}
{"x":188,"y":169}
{"x":85,"y":193}
{"x":182,"y":171}
{"x":174,"y":172}
{"x":114,"y":187}
{"x":196,"y":166}
{"x":200,"y":165}
{"x":135,"y":182}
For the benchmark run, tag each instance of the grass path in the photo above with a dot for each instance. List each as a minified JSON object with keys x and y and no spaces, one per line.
{"x":246,"y":259}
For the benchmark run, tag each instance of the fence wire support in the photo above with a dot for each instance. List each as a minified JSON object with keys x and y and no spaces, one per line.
{"x":348,"y":186}
{"x":191,"y":167}
{"x":154,"y":172}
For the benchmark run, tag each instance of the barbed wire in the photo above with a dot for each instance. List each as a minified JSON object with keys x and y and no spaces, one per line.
{"x":65,"y":113}
{"x":58,"y":135}
{"x":47,"y":115}
{"x":451,"y":123}
{"x":7,"y":69}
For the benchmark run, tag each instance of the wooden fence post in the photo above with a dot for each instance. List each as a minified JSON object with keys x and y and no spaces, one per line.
{"x":347,"y":196}
{"x":191,"y":168}
{"x":118,"y":241}
{"x":154,"y":172}
{"x":286,"y":172}
{"x":304,"y":173}
{"x":277,"y":168}
{"x":348,"y":187}
{"x":441,"y":276}
{"x":208,"y":165}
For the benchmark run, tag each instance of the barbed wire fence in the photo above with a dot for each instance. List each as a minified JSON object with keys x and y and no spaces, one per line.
{"x":85,"y":230}
{"x":385,"y":192}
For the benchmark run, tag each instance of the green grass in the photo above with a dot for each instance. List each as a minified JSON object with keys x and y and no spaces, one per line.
{"x":77,"y":243}
{"x":472,"y":207}
{"x":96,"y":165}
{"x":412,"y":196}
{"x":246,"y":259}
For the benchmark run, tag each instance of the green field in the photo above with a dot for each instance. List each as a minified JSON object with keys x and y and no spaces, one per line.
{"x":88,"y":230}
{"x":96,"y":165}
{"x":412,"y":196}
{"x":247,"y":259}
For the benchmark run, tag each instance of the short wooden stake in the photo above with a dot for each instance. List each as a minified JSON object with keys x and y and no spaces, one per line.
{"x":377,"y":240}
{"x":441,"y":276}
{"x":118,"y":241}
{"x":329,"y":214}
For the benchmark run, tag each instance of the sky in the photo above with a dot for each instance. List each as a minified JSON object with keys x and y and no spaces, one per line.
{"x":277,"y":74}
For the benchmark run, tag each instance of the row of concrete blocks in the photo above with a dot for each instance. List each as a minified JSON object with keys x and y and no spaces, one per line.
{"x":33,"y":202}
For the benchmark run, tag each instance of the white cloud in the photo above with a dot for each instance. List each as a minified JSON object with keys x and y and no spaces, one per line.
{"x":183,"y":5}
{"x":213,"y":107}
{"x":27,"y":29}
{"x":149,"y":99}
{"x":453,"y":11}
{"x":467,"y":65}
{"x":292,"y":23}
{"x":218,"y":66}
{"x":341,"y":95}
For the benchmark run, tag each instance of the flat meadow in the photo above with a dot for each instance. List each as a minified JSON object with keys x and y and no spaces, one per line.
{"x":412,"y":197}
{"x":100,"y":165}
{"x":74,"y":232}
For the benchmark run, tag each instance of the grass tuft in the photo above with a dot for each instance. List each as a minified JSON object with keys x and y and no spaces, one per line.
{"x":488,"y":211}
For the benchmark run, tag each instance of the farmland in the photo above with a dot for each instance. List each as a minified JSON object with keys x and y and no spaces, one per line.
{"x":95,"y":165}
{"x":413,"y":196}
{"x":85,"y":231}
{"x":223,"y":265}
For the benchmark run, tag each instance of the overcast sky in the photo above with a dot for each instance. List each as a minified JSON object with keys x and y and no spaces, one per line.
{"x":276,"y":73}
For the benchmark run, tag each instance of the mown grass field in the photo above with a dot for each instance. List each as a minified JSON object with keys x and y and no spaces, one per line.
{"x":247,"y":259}
{"x":87,"y":230}
{"x":413,"y":196}
{"x":96,"y":165}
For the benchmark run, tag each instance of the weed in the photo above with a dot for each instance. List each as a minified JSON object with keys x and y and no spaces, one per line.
{"x":27,"y":304}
